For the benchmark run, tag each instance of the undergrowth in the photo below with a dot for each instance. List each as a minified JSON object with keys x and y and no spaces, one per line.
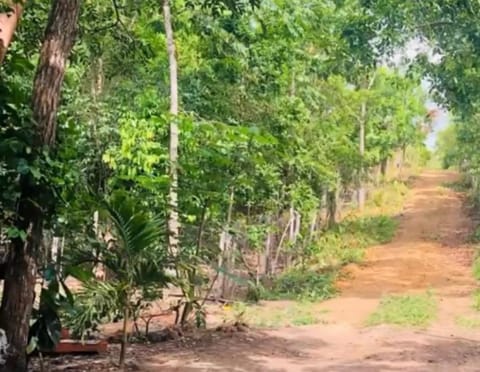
{"x":405,"y":310}
{"x":387,"y":200}
{"x":314,"y":278}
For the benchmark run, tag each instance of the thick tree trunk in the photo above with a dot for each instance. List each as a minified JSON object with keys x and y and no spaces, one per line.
{"x":18,"y":295}
{"x":173,"y":223}
{"x":8,"y":24}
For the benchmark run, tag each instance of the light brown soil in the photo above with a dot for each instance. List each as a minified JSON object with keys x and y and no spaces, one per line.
{"x":428,"y":252}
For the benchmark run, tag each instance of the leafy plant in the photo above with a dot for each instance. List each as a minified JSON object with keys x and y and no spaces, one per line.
{"x":138,"y":260}
{"x":46,"y":325}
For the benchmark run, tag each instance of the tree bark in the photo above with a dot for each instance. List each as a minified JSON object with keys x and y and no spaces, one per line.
{"x":18,"y":294}
{"x":124,"y":344}
{"x":173,"y":222}
{"x":361,"y":189}
{"x":8,"y":24}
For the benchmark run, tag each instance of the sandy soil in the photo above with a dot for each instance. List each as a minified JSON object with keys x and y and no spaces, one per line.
{"x":428,"y":252}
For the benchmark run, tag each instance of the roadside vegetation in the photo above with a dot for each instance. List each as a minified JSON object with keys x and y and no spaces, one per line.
{"x":415,"y":310}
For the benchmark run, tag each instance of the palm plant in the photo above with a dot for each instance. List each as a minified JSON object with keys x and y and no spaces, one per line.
{"x":136,"y":257}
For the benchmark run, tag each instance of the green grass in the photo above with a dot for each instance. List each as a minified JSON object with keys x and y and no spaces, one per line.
{"x":405,"y":310}
{"x":271,"y":316}
{"x":469,"y":322}
{"x":476,"y":268}
{"x":303,"y":285}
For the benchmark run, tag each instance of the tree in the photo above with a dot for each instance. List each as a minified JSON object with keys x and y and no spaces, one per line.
{"x":173,"y":222}
{"x":35,"y":197}
{"x":137,"y":259}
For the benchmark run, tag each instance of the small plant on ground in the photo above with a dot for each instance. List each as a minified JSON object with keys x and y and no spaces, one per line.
{"x":405,"y":310}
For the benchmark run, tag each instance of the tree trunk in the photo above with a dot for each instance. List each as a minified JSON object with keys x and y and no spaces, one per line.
{"x":361,"y":188}
{"x":383,"y":168}
{"x":8,"y":24}
{"x":18,"y":294}
{"x":331,"y":208}
{"x":124,"y":344}
{"x":225,"y":245}
{"x":362,"y":193}
{"x":173,"y":222}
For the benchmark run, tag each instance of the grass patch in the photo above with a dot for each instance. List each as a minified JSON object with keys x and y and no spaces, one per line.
{"x":469,"y":322}
{"x":405,"y":310}
{"x":274,"y":316}
{"x":302,"y":285}
{"x":476,"y":267}
{"x":476,"y":300}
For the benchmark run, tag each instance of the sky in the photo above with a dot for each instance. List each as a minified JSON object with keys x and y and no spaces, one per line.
{"x":411,"y":50}
{"x":440,"y":122}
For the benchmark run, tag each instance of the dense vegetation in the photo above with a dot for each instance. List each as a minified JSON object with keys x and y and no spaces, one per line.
{"x":206,"y":144}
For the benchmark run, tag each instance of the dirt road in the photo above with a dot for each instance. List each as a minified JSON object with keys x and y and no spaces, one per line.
{"x":428,"y":252}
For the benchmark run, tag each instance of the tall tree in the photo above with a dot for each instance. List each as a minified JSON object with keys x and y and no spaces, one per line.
{"x":173,"y":223}
{"x":18,"y":294}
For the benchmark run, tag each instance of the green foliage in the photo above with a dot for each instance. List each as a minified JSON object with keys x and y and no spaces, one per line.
{"x":302,"y":284}
{"x":417,"y":310}
{"x":96,"y":304}
{"x":447,"y":147}
{"x":476,"y":267}
{"x":137,"y":260}
{"x":46,"y":324}
{"x":346,"y":242}
{"x":476,"y":300}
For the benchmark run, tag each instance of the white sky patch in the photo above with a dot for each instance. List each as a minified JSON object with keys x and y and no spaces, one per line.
{"x":405,"y":56}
